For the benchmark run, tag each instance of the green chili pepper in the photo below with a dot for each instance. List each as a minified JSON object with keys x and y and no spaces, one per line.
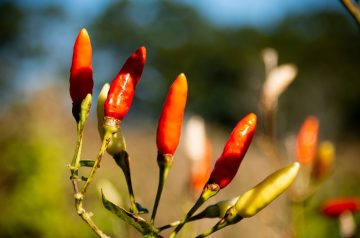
{"x":265,"y":192}
{"x":257,"y":198}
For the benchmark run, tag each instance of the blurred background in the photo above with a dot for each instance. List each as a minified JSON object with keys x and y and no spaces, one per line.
{"x":218,"y":45}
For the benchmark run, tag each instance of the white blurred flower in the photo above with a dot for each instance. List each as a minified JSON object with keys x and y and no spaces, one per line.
{"x":270,"y":58}
{"x":198,"y":149}
{"x":347,"y":224}
{"x":277,"y":82}
{"x":195,"y":138}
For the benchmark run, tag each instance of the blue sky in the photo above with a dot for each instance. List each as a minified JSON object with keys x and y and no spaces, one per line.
{"x":256,"y":12}
{"x":226,"y":13}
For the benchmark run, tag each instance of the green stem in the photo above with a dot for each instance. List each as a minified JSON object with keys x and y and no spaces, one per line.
{"x":104,"y":144}
{"x":208,"y":191}
{"x":75,"y":163}
{"x":86,"y":216}
{"x":122,"y":159}
{"x":173,"y":224}
{"x":81,"y":113}
{"x":230,"y":218}
{"x":221,"y":224}
{"x":164,"y":162}
{"x":176,"y":223}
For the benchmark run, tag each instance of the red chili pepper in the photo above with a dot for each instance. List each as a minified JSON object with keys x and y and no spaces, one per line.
{"x":335,"y":207}
{"x":169,"y":126}
{"x":306,"y":141}
{"x":122,"y":88}
{"x":228,"y":164}
{"x":81,"y":77}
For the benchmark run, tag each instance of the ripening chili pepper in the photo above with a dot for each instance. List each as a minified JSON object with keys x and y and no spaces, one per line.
{"x":117,"y":142}
{"x":334,"y":207}
{"x":122,"y":88}
{"x":234,"y":151}
{"x":324,"y":162}
{"x":81,"y":76}
{"x":306,"y":140}
{"x":265,"y":192}
{"x":169,"y":126}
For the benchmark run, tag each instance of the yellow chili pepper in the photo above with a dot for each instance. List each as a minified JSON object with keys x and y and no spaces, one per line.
{"x":324,"y":162}
{"x":265,"y":192}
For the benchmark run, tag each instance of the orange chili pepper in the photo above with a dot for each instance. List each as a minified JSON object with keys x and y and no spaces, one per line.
{"x":122,"y":88}
{"x":234,"y":151}
{"x":306,"y":140}
{"x":334,"y":207}
{"x":81,"y":76}
{"x":169,"y":126}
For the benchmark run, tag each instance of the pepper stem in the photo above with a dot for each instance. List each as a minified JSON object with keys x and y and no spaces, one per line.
{"x":230,"y":218}
{"x":221,"y":224}
{"x":209,"y":191}
{"x":164,"y":162}
{"x":173,"y":224}
{"x":104,"y":145}
{"x":75,"y":163}
{"x":82,"y":115}
{"x":122,"y":159}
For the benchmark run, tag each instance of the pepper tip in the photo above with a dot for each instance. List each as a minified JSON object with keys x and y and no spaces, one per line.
{"x":84,"y":33}
{"x":251,"y":117}
{"x":142,"y":52}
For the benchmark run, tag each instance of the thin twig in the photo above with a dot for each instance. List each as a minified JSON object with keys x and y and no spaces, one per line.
{"x":353,"y":9}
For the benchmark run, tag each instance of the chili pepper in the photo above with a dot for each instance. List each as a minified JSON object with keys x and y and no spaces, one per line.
{"x":122,"y":88}
{"x":265,"y":192}
{"x":81,"y":77}
{"x":169,"y":126}
{"x":234,"y":151}
{"x":324,"y":161}
{"x":306,"y":140}
{"x":334,"y":207}
{"x":117,"y":142}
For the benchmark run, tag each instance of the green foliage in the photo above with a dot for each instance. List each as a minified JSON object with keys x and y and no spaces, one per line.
{"x":224,"y":66}
{"x":33,"y":189}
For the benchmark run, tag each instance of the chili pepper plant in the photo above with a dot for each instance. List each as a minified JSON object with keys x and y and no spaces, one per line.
{"x":113,"y":104}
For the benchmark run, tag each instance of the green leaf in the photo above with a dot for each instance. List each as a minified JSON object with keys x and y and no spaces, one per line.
{"x":132,"y":219}
{"x":122,"y":213}
{"x":87,"y":163}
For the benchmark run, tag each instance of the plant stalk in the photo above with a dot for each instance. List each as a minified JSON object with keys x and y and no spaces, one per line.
{"x":164,"y":162}
{"x":209,"y":191}
{"x":89,"y":179}
{"x":122,"y":159}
